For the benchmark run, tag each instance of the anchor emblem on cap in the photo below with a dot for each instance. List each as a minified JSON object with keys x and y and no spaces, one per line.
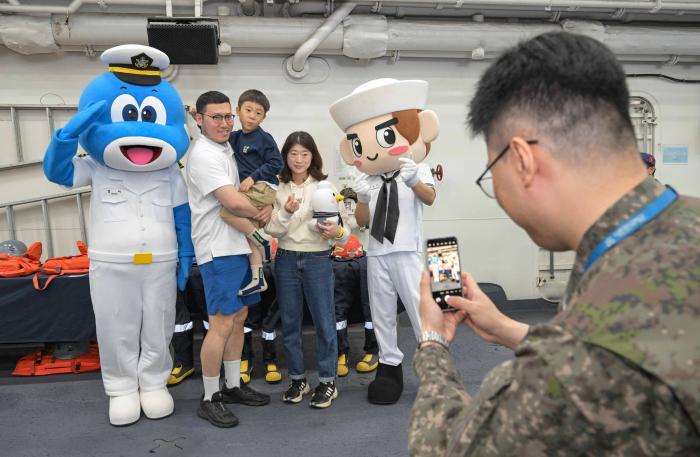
{"x":141,"y":61}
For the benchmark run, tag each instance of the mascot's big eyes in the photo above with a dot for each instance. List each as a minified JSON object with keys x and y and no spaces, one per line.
{"x":130,"y":113}
{"x":356,"y":147}
{"x":386,"y":137}
{"x":125,"y":108}
{"x":148,"y":114}
{"x":152,"y":110}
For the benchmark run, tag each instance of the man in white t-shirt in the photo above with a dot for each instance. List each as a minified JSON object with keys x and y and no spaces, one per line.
{"x":222,"y":256}
{"x":387,"y":132}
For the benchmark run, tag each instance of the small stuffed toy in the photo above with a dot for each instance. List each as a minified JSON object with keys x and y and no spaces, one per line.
{"x":387,"y":134}
{"x":324,"y":203}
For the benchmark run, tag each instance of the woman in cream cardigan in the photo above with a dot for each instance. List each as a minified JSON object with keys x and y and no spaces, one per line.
{"x":303,"y":269}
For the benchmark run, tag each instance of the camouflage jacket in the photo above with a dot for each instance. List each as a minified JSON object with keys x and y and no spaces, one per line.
{"x":616,"y":372}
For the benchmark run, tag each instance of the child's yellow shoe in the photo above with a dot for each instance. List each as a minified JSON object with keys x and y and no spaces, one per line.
{"x":179,"y":373}
{"x":246,"y":369}
{"x":342,"y":365}
{"x":272,"y":373}
{"x":368,"y":363}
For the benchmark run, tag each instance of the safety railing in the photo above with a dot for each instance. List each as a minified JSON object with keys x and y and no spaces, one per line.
{"x":15,"y":112}
{"x":46,"y":214}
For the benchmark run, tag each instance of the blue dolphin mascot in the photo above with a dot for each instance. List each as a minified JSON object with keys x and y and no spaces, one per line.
{"x":132,"y":125}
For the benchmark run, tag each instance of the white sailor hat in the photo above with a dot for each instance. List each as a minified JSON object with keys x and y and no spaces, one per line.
{"x":136,"y":63}
{"x":377,"y":97}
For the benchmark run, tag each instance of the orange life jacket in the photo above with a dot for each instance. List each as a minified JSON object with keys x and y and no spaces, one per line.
{"x":14,"y":266}
{"x":40,"y":363}
{"x":350,"y":250}
{"x":58,"y":266}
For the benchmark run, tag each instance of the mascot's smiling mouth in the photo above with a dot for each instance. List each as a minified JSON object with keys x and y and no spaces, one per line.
{"x":141,"y":155}
{"x":373,"y":158}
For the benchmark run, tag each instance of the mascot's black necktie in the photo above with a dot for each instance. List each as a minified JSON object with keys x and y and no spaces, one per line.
{"x":386,"y":213}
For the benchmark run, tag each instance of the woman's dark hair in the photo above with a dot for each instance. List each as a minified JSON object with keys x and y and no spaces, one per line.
{"x":307,"y":141}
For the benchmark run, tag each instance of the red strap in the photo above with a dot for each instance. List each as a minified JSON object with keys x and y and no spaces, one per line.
{"x":35,"y":280}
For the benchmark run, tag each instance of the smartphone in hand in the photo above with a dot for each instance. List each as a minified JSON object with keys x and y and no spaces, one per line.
{"x":442,"y":259}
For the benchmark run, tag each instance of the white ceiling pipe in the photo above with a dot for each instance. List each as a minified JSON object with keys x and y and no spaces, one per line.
{"x":297,"y":67}
{"x":99,"y":29}
{"x":645,"y":5}
{"x":275,"y":33}
{"x":75,"y":5}
{"x":246,"y":34}
{"x":451,"y":37}
{"x":645,"y":58}
{"x":313,"y":7}
{"x":642,"y":5}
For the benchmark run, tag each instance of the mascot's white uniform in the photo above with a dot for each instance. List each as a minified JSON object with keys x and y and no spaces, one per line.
{"x":131,"y":123}
{"x":387,"y":133}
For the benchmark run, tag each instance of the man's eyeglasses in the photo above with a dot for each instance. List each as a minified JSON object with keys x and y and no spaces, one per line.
{"x":218,"y":118}
{"x":485,"y":180}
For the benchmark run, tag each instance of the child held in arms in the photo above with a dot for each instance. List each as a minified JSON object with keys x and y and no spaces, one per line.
{"x":259,"y":161}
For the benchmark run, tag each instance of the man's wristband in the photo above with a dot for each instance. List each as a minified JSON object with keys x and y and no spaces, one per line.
{"x":433,"y":337}
{"x":340,"y":234}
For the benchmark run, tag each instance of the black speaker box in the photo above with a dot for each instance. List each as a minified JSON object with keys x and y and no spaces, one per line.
{"x":185,"y":41}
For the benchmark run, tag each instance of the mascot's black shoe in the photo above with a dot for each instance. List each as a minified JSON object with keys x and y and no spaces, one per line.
{"x":387,"y":386}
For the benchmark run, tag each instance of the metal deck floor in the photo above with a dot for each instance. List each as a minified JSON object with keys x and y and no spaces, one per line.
{"x":66,"y":415}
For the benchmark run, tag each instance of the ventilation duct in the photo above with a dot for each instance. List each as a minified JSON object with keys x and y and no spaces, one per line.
{"x":354,"y":38}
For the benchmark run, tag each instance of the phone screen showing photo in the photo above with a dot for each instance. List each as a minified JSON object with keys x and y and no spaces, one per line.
{"x":442,"y":258}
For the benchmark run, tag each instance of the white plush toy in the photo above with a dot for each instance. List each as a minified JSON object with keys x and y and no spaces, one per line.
{"x":324,"y":203}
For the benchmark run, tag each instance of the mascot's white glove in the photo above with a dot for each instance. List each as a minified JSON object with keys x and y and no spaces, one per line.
{"x":361,"y":188}
{"x":409,"y":172}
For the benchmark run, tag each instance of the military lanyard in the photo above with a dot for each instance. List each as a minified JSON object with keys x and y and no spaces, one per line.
{"x":631,"y":225}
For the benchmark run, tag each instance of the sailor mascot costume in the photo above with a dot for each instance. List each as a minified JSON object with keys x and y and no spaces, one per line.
{"x":387,"y":134}
{"x":131,"y":123}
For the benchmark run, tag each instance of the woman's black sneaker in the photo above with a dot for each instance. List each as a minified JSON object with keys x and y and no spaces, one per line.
{"x":297,"y":389}
{"x":324,"y":395}
{"x":216,"y":412}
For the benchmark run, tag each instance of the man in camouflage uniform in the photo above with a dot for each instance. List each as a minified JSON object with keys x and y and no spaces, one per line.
{"x":617,"y":371}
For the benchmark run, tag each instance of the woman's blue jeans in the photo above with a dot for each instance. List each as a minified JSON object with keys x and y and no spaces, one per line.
{"x":309,"y":275}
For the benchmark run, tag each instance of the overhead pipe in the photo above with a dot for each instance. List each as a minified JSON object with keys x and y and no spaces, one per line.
{"x":652,"y":6}
{"x":296,"y":67}
{"x":75,"y":5}
{"x":439,"y":39}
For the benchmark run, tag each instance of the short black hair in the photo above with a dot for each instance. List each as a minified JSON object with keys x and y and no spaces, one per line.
{"x":570,"y":87}
{"x":255,"y":96}
{"x":213,"y":97}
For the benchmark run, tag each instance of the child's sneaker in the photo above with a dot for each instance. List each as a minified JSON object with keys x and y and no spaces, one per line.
{"x":324,"y":395}
{"x":297,"y":389}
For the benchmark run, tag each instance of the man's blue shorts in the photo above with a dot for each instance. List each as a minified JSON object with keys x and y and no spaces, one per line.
{"x":223,"y":277}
